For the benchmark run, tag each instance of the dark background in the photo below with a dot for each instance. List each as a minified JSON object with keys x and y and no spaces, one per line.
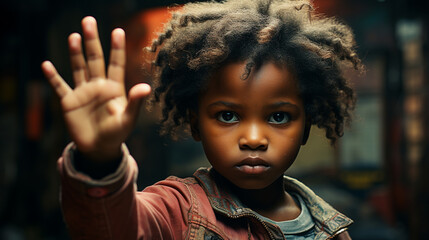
{"x":386,"y":190}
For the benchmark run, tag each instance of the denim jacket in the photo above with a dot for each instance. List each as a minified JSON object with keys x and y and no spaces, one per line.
{"x":197,"y":207}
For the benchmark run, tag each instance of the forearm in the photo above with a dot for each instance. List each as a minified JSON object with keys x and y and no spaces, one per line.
{"x":99,"y":208}
{"x":111,"y":208}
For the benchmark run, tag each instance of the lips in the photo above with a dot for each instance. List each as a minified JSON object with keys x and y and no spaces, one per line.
{"x":252,"y":165}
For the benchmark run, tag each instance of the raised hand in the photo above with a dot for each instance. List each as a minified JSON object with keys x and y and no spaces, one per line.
{"x":98,"y":114}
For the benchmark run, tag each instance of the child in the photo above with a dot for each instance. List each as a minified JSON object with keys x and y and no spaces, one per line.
{"x":249,"y":78}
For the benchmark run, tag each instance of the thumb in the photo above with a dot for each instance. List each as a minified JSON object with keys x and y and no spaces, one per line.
{"x":137,"y":92}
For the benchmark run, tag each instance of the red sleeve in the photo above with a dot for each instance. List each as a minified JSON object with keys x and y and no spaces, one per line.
{"x":111,"y":208}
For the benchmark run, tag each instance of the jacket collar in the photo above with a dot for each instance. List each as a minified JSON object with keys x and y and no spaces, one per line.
{"x":223,"y":201}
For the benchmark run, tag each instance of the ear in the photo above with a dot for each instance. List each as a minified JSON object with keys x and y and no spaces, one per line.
{"x":306,"y":132}
{"x":193,"y":120}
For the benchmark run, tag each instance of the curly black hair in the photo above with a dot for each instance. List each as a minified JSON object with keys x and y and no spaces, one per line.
{"x":203,"y":36}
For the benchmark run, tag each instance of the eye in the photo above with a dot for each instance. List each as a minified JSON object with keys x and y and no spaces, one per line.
{"x":279,"y":118}
{"x":227,"y":117}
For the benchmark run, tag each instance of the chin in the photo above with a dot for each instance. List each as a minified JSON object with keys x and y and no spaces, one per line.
{"x":251,"y":185}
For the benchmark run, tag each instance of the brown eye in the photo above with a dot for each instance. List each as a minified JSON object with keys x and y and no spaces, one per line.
{"x":227,"y":117}
{"x":279,"y":118}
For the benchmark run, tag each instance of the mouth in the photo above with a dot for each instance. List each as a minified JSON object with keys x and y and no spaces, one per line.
{"x":252,"y":166}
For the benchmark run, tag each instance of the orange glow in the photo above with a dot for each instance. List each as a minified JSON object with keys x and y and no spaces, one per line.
{"x":141,"y":30}
{"x":153,"y":21}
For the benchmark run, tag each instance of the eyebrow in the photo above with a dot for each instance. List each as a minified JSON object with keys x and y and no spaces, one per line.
{"x":224,"y":103}
{"x":282,"y":103}
{"x":234,"y":105}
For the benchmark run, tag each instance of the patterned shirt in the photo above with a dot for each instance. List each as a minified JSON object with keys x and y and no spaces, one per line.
{"x":300,"y":228}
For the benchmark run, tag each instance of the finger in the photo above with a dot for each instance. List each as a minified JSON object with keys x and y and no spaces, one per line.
{"x":79,"y":68}
{"x":56,"y":81}
{"x":94,"y":52}
{"x":116,"y":70}
{"x":135,"y":96}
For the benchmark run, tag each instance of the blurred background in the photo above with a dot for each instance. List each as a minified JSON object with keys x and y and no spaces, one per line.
{"x":378,"y":174}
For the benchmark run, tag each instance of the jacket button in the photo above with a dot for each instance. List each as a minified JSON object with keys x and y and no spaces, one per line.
{"x":97,"y":192}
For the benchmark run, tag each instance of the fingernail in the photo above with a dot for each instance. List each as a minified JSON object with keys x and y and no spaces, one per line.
{"x":46,"y":63}
{"x":91,"y":22}
{"x":74,"y":40}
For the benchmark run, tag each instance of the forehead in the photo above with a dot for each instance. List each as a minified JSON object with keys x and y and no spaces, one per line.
{"x":271,"y":78}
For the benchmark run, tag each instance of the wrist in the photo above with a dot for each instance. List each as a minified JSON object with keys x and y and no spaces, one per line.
{"x":100,"y":152}
{"x":97,"y":164}
{"x":103,"y":155}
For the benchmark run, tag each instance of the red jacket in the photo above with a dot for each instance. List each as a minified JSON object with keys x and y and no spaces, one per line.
{"x":198,"y":207}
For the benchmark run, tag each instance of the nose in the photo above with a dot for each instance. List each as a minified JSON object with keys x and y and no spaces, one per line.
{"x":253,"y":138}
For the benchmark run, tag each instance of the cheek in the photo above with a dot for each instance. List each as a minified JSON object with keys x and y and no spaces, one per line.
{"x":287,"y":144}
{"x":296,"y":133}
{"x":211,"y":146}
{"x":217,"y":143}
{"x":214,"y":134}
{"x":216,"y":153}
{"x":219,"y":146}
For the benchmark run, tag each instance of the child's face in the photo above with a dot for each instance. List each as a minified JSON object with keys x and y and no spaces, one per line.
{"x":252,"y":129}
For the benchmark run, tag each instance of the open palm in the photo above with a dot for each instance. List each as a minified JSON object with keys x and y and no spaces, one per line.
{"x":98,"y":114}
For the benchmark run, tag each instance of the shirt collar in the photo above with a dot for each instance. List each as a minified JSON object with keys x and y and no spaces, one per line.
{"x":223,"y":201}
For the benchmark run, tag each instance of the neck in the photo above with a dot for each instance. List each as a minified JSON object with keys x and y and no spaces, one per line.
{"x":272,"y":202}
{"x":264,"y":200}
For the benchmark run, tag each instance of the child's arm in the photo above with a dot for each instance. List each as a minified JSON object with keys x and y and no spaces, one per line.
{"x":103,"y":203}
{"x":97,"y":112}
